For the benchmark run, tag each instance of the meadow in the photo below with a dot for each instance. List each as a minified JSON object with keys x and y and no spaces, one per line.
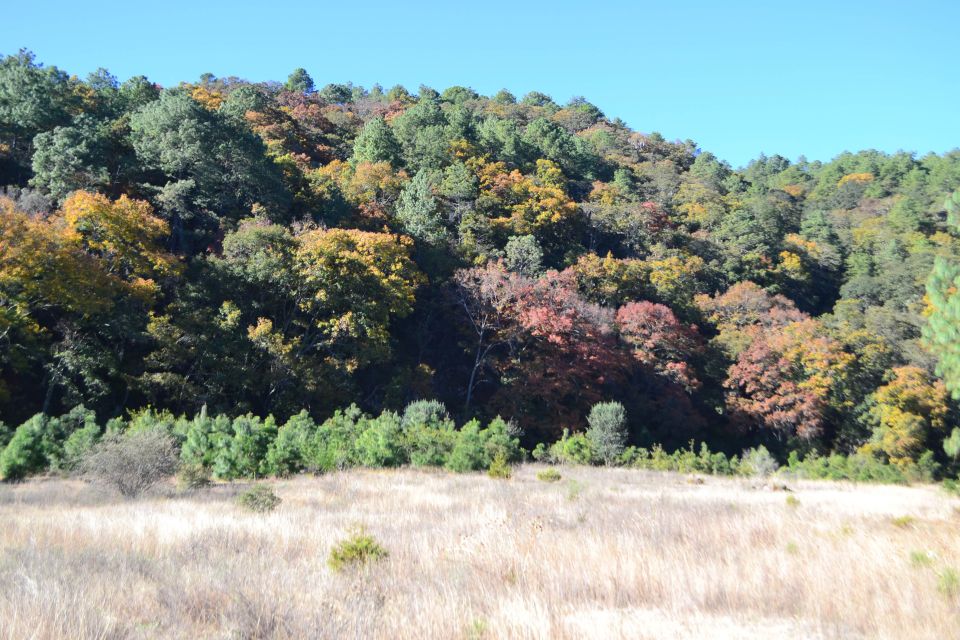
{"x":597,"y":553}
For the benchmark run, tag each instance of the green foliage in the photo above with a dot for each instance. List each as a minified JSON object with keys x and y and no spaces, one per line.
{"x":359,"y":550}
{"x":376,"y":143}
{"x":259,"y":498}
{"x":608,"y":430}
{"x":757,"y":462}
{"x":549,"y":475}
{"x":191,"y":477}
{"x":27,"y":452}
{"x":499,"y":468}
{"x":294,"y":248}
{"x":426,"y":413}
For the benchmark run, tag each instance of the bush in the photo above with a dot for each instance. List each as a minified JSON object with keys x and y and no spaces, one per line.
{"x":549,"y":475}
{"x":80,"y":443}
{"x":259,"y":498}
{"x":360,"y":549}
{"x":572,"y":449}
{"x":191,"y":477}
{"x":332,"y":445}
{"x":429,"y":446}
{"x":25,"y":454}
{"x":132,"y":462}
{"x":499,"y":467}
{"x":758,"y":462}
{"x":430,"y":413}
{"x":243,"y":453}
{"x":379,"y":442}
{"x":468,"y":453}
{"x":286,"y":455}
{"x":608,"y":430}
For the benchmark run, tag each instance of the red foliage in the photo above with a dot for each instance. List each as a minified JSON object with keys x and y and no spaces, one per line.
{"x":659,"y":341}
{"x":764,"y":390}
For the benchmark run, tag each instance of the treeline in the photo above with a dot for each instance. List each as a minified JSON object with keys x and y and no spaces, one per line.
{"x":423,"y":435}
{"x":267,"y":248}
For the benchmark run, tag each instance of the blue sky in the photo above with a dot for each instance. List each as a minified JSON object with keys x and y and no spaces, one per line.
{"x":814,"y":77}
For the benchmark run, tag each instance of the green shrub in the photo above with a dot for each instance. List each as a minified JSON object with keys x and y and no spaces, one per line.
{"x":360,"y":549}
{"x":758,"y":462}
{"x":572,"y":449}
{"x":379,"y":443}
{"x":203,"y":438}
{"x":5,"y":434}
{"x":903,"y":522}
{"x":132,"y":462}
{"x":79,"y":444}
{"x":26,"y":453}
{"x":549,"y":475}
{"x":287,"y":454}
{"x":607,"y":430}
{"x":476,"y":448}
{"x":468,"y":453}
{"x":259,"y":498}
{"x":499,"y":468}
{"x":426,"y":413}
{"x":949,"y":582}
{"x":428,"y":446}
{"x":243,"y":454}
{"x":332,"y":445}
{"x":191,"y":477}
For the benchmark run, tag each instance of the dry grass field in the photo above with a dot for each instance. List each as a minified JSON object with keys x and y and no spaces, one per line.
{"x":600,"y":554}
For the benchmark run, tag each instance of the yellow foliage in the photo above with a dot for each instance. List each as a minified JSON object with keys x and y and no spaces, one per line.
{"x":855,"y":177}
{"x":123,"y":233}
{"x":210,"y":100}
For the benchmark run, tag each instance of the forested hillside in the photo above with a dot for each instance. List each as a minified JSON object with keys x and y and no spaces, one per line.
{"x":274,"y":247}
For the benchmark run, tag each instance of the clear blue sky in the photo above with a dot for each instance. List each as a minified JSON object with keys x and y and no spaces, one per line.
{"x":816,"y":77}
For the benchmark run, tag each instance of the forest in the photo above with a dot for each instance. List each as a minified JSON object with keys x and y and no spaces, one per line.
{"x":282,"y":253}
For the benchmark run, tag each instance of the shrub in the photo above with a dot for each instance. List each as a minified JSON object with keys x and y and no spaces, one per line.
{"x":549,"y":475}
{"x":949,"y":582}
{"x":430,"y":413}
{"x":286,"y":455}
{"x":203,"y":437}
{"x":259,"y":498}
{"x":608,"y":430}
{"x":132,"y":462}
{"x":79,"y":444}
{"x":379,"y":442}
{"x":572,"y":449}
{"x":499,"y":467}
{"x":429,"y":446}
{"x":360,"y":549}
{"x":191,"y":477}
{"x":468,"y":453}
{"x":758,"y":462}
{"x":24,"y":454}
{"x":243,"y":454}
{"x":333,"y":442}
{"x":5,"y":434}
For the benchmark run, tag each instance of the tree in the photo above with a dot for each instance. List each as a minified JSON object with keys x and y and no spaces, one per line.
{"x":659,"y":341}
{"x":905,"y":413}
{"x":299,"y":81}
{"x":376,"y":143}
{"x":524,"y":255}
{"x":943,"y":310}
{"x":608,"y":430}
{"x":419,"y":210}
{"x":70,"y":158}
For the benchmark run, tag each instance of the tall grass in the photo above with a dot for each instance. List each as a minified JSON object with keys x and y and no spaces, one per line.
{"x":637,"y":554}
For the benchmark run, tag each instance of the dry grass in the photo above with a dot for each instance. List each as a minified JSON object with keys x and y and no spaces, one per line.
{"x":602,"y":554}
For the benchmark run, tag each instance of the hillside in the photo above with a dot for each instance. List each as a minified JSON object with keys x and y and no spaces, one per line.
{"x":231,"y":247}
